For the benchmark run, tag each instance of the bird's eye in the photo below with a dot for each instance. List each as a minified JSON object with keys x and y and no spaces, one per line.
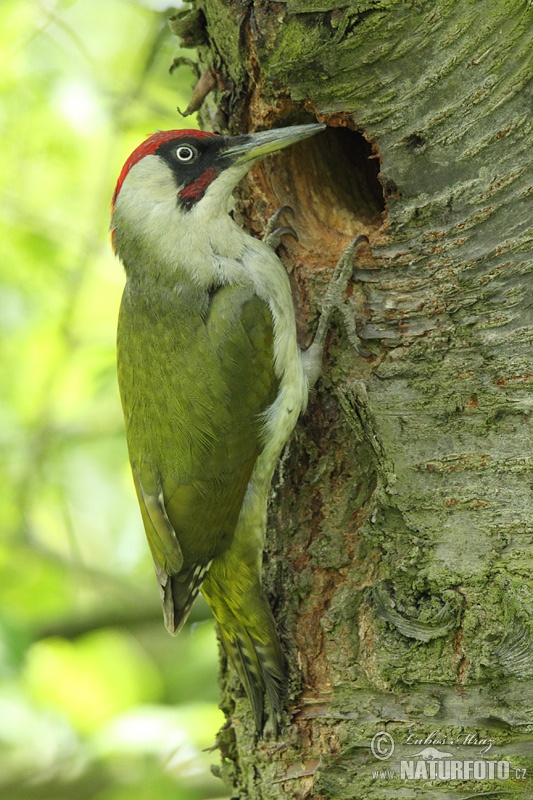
{"x":186,"y":153}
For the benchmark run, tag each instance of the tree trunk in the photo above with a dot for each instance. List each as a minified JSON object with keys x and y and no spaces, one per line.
{"x":400,"y":538}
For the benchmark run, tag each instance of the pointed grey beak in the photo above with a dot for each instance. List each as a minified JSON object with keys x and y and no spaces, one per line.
{"x":252,"y":146}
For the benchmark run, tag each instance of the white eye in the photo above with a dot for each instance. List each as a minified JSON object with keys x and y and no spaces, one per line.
{"x":186,"y":153}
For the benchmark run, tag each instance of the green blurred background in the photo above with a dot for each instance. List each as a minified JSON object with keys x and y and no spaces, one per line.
{"x":96,"y":699}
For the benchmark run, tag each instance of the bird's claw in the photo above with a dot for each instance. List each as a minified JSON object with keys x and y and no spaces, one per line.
{"x":335,"y":298}
{"x":274,"y":230}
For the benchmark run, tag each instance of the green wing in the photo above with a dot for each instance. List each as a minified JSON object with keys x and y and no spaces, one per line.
{"x":196,"y":374}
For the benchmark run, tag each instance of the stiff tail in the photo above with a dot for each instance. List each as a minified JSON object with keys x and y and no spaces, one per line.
{"x":248,"y":633}
{"x":260,"y":666}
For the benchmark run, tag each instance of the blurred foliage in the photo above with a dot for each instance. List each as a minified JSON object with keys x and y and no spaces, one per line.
{"x":96,"y":700}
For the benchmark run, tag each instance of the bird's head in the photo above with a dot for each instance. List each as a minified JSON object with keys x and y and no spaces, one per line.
{"x":180,"y":181}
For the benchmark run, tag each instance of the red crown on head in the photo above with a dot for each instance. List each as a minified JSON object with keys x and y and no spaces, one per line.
{"x":148,"y":148}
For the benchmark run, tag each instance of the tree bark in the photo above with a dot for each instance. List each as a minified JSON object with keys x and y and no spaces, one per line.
{"x":400,"y":538}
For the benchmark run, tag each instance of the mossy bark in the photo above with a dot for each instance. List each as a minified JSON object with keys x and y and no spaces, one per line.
{"x":400,"y":537}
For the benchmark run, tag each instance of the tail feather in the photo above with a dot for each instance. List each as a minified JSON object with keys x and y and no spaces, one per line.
{"x":249,"y":670}
{"x":261,"y":668}
{"x":274,"y":676}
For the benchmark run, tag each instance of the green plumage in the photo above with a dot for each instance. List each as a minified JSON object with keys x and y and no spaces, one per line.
{"x":196,"y":375}
{"x":212,"y":383}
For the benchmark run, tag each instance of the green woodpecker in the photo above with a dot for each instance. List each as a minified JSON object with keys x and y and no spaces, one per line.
{"x":212,"y":383}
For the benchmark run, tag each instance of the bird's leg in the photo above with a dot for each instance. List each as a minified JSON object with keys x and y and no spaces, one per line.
{"x":334,"y":299}
{"x":275,"y":228}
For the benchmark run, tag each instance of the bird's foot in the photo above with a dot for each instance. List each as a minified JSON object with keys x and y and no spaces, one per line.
{"x":275,"y":228}
{"x":335,"y":300}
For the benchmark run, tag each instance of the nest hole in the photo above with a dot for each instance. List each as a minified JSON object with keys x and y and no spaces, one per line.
{"x":331,"y":181}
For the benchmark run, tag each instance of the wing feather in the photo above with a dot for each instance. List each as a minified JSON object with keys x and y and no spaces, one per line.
{"x":196,"y":378}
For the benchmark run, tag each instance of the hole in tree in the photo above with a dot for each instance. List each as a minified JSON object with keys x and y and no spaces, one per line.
{"x":331,"y":182}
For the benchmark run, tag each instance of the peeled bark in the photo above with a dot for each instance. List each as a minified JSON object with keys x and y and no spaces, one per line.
{"x":400,"y":538}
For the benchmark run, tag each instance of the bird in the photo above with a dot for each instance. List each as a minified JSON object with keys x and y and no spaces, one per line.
{"x":212,"y":382}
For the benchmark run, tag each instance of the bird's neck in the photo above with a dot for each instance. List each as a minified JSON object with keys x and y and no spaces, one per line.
{"x":179,"y":242}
